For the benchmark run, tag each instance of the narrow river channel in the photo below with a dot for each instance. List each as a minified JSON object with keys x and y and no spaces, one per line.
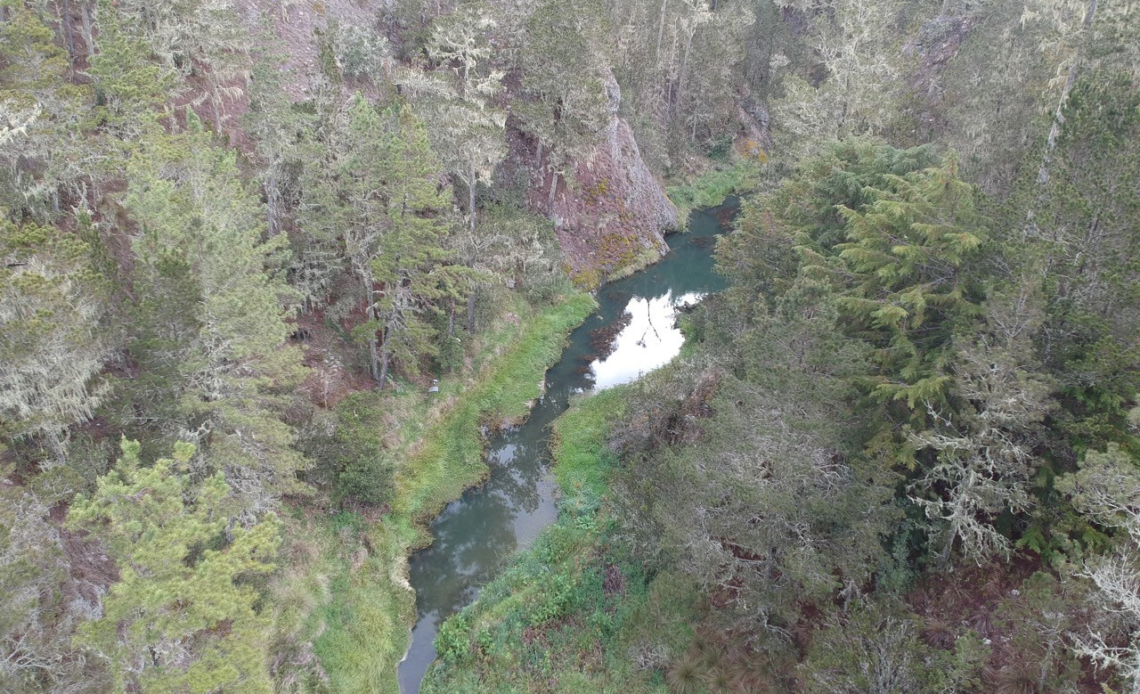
{"x":479,"y":533}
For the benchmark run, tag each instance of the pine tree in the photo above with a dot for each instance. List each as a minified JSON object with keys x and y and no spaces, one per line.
{"x":565,"y":101}
{"x":192,"y":37}
{"x":183,"y":616}
{"x":201,"y":234}
{"x":466,"y":126}
{"x":415,"y":267}
{"x":43,"y":154}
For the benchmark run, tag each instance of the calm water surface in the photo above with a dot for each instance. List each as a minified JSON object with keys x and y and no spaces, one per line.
{"x":477,"y":535}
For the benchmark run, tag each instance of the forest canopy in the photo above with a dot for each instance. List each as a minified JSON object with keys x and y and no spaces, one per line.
{"x":268,"y":269}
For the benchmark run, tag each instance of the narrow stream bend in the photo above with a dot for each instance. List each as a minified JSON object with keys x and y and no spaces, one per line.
{"x":478,"y":534}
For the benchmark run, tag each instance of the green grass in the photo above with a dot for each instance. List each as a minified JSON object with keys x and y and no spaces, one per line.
{"x":451,"y":457}
{"x":712,"y":187}
{"x":552,"y":621}
{"x":345,"y":590}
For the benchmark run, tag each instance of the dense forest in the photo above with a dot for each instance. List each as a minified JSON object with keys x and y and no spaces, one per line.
{"x":270,"y":270}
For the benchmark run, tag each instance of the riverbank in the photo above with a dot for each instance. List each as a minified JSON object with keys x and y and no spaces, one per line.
{"x":345,"y":589}
{"x":574,"y":613}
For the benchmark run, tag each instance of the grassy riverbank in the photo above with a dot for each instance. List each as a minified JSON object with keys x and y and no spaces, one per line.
{"x":712,"y":187}
{"x":573,"y":614}
{"x":345,"y":589}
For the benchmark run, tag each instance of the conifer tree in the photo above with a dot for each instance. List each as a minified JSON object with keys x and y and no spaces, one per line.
{"x":193,"y":37}
{"x":52,"y":339}
{"x":565,"y":104}
{"x":201,"y":234}
{"x":183,"y":616}
{"x":466,"y":126}
{"x":43,"y":154}
{"x":415,"y":267}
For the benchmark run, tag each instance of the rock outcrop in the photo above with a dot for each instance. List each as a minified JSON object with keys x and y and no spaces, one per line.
{"x":611,"y":213}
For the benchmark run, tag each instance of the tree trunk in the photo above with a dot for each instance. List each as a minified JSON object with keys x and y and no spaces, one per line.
{"x":59,"y":453}
{"x":385,"y":358}
{"x":660,"y":32}
{"x":369,"y":298}
{"x":88,"y":34}
{"x":217,"y":109}
{"x":684,"y":68}
{"x":471,"y":311}
{"x":553,"y":190}
{"x":471,"y":196}
{"x":451,"y":318}
{"x":374,"y":362}
{"x":273,"y":203}
{"x":670,"y":83}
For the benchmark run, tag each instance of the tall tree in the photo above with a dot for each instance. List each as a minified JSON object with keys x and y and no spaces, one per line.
{"x":36,"y":624}
{"x":1085,"y":249}
{"x":861,"y":91}
{"x":1107,"y":490}
{"x":193,"y":37}
{"x":53,"y":341}
{"x":986,"y":444}
{"x":415,"y":267}
{"x":44,"y":155}
{"x":183,"y":616}
{"x":467,"y":127}
{"x":564,"y":106}
{"x":201,"y":231}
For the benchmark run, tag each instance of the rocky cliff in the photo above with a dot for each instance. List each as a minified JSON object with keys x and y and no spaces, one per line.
{"x":611,"y":212}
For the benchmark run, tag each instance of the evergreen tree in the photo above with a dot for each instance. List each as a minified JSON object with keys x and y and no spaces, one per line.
{"x":414,"y":267}
{"x":36,"y":624}
{"x":44,"y":155}
{"x":194,"y":38}
{"x":53,"y":341}
{"x":1083,"y":241}
{"x":466,"y":126}
{"x":230,"y":376}
{"x":565,"y":102}
{"x":183,"y":617}
{"x":1106,"y":490}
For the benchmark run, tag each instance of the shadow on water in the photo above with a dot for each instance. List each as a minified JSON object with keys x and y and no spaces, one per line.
{"x":478,"y":534}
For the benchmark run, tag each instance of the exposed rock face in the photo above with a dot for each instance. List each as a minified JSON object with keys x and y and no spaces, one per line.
{"x":614,"y":213}
{"x":754,"y":138}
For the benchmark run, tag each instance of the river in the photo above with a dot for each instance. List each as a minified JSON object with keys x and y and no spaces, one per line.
{"x":479,"y":533}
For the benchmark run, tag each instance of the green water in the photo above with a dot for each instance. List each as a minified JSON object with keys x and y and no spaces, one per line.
{"x":479,"y":533}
